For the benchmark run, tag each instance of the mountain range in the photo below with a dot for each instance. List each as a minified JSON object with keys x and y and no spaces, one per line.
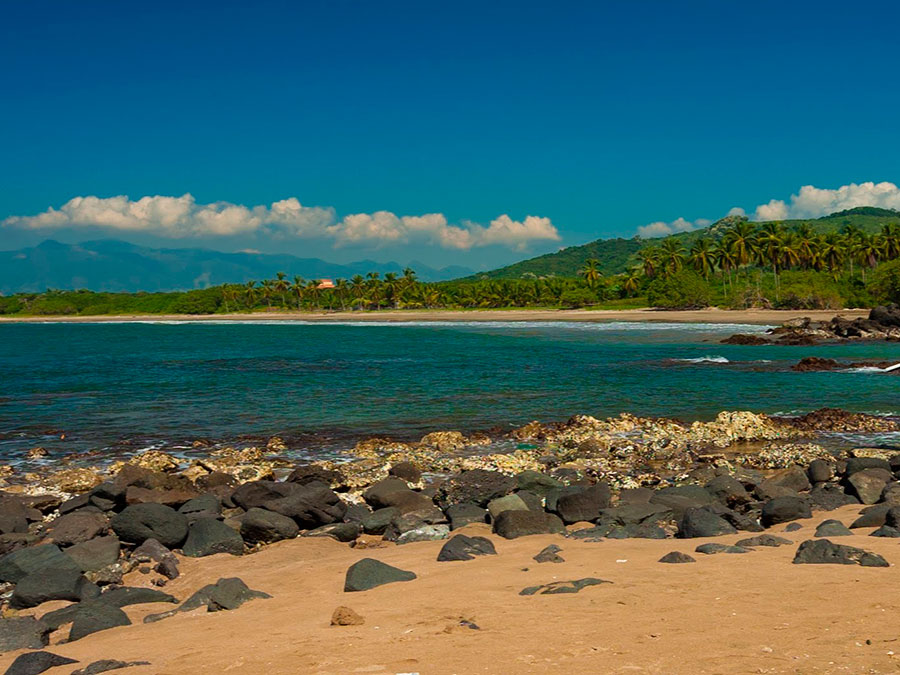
{"x":117,"y":266}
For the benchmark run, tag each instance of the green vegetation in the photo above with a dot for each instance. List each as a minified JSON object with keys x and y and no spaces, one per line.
{"x":853,"y":260}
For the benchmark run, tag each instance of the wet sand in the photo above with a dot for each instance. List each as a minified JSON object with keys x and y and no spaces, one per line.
{"x":747,"y":613}
{"x":709,"y":315}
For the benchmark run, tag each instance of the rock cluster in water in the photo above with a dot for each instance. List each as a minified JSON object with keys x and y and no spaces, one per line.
{"x":883,"y":323}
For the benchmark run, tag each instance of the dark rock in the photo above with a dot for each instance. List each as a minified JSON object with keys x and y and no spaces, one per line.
{"x":95,"y":554}
{"x":857,"y":464}
{"x":873,"y":516}
{"x":532,"y":500}
{"x":357,"y":513}
{"x":742,"y":339}
{"x":892,"y":516}
{"x":462,"y":547}
{"x":886,"y":531}
{"x":793,"y":478}
{"x":793,"y":527}
{"x":829,"y":498}
{"x":868,"y":484}
{"x":702,"y":522}
{"x":13,"y":519}
{"x":256,"y":494}
{"x":151,"y":549}
{"x":225,"y":594}
{"x":766,"y":491}
{"x":309,"y":506}
{"x":536,"y":482}
{"x":259,"y":525}
{"x":676,"y":557}
{"x":23,"y":632}
{"x":832,"y":528}
{"x":204,"y":506}
{"x":513,"y":524}
{"x":19,"y":564}
{"x":106,"y":665}
{"x":681,"y":498}
{"x":728,"y":490}
{"x":139,"y":522}
{"x":424,"y":533}
{"x":713,"y":548}
{"x":402,"y":523}
{"x":406,"y":471}
{"x":369,"y":573}
{"x":344,"y":532}
{"x":595,"y":533}
{"x":34,"y":663}
{"x":464,"y":514}
{"x":511,"y":502}
{"x":558,"y":587}
{"x":93,"y":617}
{"x":52,"y":584}
{"x":310,"y":473}
{"x":635,"y":514}
{"x":886,"y":315}
{"x":639,"y":495}
{"x":477,"y":486}
{"x":891,"y":494}
{"x":763,"y":540}
{"x":783,"y":510}
{"x":378,"y":520}
{"x":823,"y":551}
{"x":820,"y":471}
{"x":583,"y":504}
{"x":550,"y":554}
{"x":174,"y":498}
{"x":15,"y":541}
{"x":123,"y":596}
{"x":384,"y":493}
{"x":739,"y":521}
{"x":208,"y":536}
{"x":645,"y":530}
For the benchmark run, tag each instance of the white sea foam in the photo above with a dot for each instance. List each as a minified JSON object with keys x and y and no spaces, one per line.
{"x":706,"y":359}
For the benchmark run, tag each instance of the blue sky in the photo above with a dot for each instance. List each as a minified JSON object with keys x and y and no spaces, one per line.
{"x":594,"y":119}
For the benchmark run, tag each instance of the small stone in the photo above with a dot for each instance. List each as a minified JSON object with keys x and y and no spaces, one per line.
{"x":713,"y":548}
{"x":832,"y":528}
{"x":344,"y":616}
{"x":676,"y":557}
{"x":558,"y":587}
{"x":462,"y":547}
{"x":35,"y":663}
{"x":550,"y":554}
{"x":369,"y":573}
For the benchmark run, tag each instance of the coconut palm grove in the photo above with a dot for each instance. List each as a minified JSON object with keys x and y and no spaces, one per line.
{"x":846,"y":259}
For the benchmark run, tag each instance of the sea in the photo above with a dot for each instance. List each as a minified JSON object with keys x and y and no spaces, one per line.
{"x":108,"y":390}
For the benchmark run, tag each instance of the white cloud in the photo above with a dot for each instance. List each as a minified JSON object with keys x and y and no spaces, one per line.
{"x":813,"y":202}
{"x":663,"y":229}
{"x":737,"y":211}
{"x":180,"y":217}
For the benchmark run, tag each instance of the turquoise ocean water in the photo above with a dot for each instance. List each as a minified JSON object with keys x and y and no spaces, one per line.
{"x":120,"y":387}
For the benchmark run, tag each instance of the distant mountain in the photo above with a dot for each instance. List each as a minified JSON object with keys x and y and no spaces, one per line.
{"x":110,"y":265}
{"x":617,"y":255}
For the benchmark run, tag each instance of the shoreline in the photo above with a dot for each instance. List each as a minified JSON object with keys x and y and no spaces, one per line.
{"x":709,"y":315}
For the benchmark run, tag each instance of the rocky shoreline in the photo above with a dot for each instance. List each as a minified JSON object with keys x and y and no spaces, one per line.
{"x":883,"y":323}
{"x":84,"y":535}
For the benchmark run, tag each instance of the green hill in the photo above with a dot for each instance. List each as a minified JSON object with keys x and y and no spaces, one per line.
{"x":617,"y":255}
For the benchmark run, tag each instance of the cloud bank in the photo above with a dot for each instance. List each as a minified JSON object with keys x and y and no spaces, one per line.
{"x":809,"y":202}
{"x":183,"y":217}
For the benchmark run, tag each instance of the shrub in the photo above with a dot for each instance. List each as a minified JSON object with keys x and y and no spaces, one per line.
{"x":884,"y":284}
{"x":578,"y":297}
{"x":809,"y":290}
{"x":684,"y":290}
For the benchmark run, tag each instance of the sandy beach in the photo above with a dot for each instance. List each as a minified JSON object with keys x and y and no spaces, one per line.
{"x":709,"y":315}
{"x":749,"y":613}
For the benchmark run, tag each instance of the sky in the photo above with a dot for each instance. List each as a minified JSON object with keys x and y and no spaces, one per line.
{"x":472,"y":133}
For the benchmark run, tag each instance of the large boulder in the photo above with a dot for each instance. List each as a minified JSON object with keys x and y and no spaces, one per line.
{"x":539,"y":483}
{"x":582,"y":504}
{"x":255,"y":494}
{"x":832,"y":528}
{"x":95,"y":554}
{"x":513,"y":524}
{"x":702,"y":522}
{"x":511,"y":502}
{"x":783,"y":510}
{"x":34,"y":663}
{"x":92,"y":617}
{"x":310,"y":505}
{"x":23,"y":632}
{"x":78,"y":526}
{"x":204,"y":506}
{"x":682,"y":497}
{"x":461,"y":547}
{"x":728,"y":490}
{"x":793,"y":477}
{"x":872,"y":516}
{"x":477,"y":486}
{"x":19,"y":564}
{"x":406,"y":471}
{"x":13,"y":517}
{"x":823,"y":551}
{"x":369,"y":573}
{"x":868,"y":484}
{"x":52,"y":584}
{"x":384,"y":493}
{"x":886,"y":315}
{"x":820,"y":471}
{"x":260,"y":525}
{"x":344,"y":532}
{"x":829,"y":497}
{"x":139,"y":522}
{"x":856,"y":464}
{"x":377,"y":521}
{"x":464,"y":514}
{"x":208,"y":536}
{"x":635,"y":514}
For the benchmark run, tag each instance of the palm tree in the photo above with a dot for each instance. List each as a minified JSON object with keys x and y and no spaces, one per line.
{"x":741,"y":239}
{"x":591,"y":272}
{"x":890,"y":241}
{"x":268,"y":288}
{"x":671,"y":254}
{"x":650,"y":260}
{"x":298,"y":287}
{"x":702,"y":257}
{"x":391,"y":287}
{"x":770,"y":245}
{"x":632,"y":281}
{"x":833,"y":253}
{"x":868,"y":252}
{"x":250,"y":293}
{"x":340,"y":288}
{"x":807,"y":245}
{"x":358,"y":285}
{"x":312,"y":287}
{"x":281,"y":285}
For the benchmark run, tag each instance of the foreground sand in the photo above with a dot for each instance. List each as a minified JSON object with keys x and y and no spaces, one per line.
{"x":749,"y":613}
{"x":709,"y":315}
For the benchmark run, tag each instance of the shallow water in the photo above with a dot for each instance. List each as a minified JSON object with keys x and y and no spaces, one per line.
{"x":125,"y":386}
